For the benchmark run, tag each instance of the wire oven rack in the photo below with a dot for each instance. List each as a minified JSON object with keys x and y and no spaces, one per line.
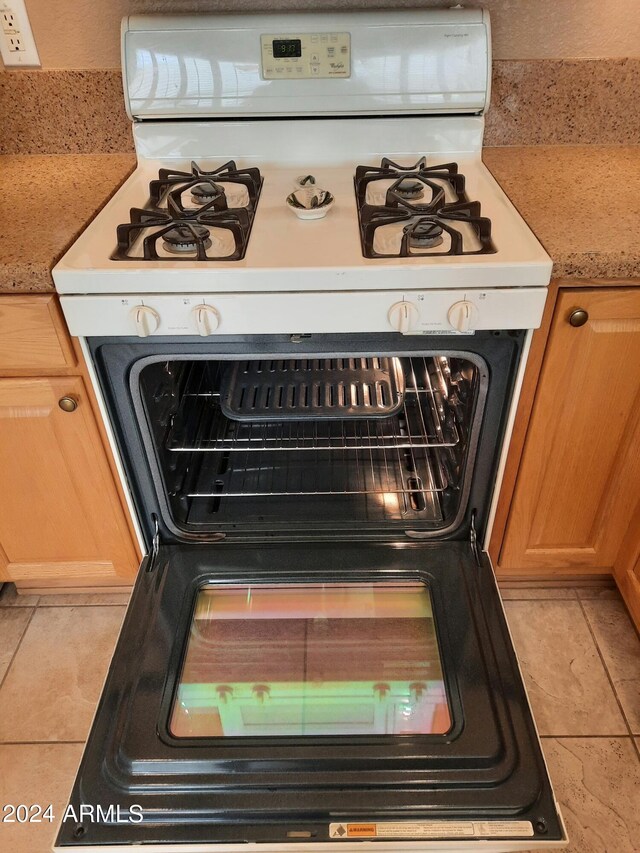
{"x":398,"y":459}
{"x":423,"y":421}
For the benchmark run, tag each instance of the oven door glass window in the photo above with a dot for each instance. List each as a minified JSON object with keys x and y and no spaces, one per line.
{"x":311,"y":659}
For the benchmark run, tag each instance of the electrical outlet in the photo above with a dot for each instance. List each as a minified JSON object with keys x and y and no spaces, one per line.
{"x":8,"y":21}
{"x":17,"y":46}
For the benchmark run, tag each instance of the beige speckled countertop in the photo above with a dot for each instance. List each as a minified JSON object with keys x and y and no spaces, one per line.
{"x":45,"y":202}
{"x":582,"y":202}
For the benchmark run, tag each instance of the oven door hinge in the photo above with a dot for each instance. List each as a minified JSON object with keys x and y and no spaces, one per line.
{"x":155,"y":543}
{"x":473,"y":538}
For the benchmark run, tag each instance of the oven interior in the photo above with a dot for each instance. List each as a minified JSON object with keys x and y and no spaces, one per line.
{"x":298,"y":445}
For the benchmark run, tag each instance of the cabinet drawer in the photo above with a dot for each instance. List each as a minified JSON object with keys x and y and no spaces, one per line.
{"x":33,"y":335}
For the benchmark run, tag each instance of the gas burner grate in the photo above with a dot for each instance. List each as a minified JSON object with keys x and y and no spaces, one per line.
{"x":184,"y":236}
{"x":199,"y":180}
{"x":424,"y":230}
{"x":420,"y":173}
{"x":212,"y":231}
{"x":425,"y":212}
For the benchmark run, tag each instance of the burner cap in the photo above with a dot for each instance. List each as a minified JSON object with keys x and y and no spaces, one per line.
{"x":204,"y":193}
{"x":182,"y":239}
{"x":410,"y":188}
{"x":424,"y":235}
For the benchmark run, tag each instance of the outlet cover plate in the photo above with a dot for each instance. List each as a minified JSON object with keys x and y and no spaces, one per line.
{"x":17,"y":45}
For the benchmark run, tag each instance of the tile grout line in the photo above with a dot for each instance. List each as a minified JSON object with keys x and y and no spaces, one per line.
{"x":634,"y":743}
{"x":17,"y":648}
{"x":537,"y":598}
{"x":587,"y":737}
{"x":42,"y":743}
{"x":92,"y":604}
{"x":69,"y":606}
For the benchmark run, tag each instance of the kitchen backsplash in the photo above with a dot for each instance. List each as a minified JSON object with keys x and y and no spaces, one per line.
{"x":534,"y":102}
{"x":564,"y":102}
{"x":86,"y":33}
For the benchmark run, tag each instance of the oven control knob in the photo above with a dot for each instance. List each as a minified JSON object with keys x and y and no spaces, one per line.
{"x":206,"y":319}
{"x":146,"y":320}
{"x":403,"y":316}
{"x":462,"y":315}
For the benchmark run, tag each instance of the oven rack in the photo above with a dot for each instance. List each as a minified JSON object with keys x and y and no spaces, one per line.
{"x":391,"y":474}
{"x":206,"y":428}
{"x":424,"y":421}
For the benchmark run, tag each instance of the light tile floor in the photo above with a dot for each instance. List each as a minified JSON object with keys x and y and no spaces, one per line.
{"x":578,"y":650}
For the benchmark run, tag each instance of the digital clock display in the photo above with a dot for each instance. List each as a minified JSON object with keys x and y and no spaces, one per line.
{"x":287,"y":48}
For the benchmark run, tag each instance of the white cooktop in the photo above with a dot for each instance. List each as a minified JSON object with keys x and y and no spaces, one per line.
{"x":286,"y":254}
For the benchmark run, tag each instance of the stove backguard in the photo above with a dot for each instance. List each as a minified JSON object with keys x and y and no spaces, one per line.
{"x":207,"y":474}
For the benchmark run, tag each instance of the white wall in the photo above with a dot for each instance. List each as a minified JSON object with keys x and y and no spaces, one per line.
{"x":85,"y":33}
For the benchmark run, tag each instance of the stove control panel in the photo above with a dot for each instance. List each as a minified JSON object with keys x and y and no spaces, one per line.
{"x":305,"y":56}
{"x":414,"y":312}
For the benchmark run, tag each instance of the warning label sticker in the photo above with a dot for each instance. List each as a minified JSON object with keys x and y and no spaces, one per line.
{"x":433,"y":829}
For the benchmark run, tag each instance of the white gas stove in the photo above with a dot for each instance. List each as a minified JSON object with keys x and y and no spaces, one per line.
{"x":306,"y":316}
{"x":246,"y":216}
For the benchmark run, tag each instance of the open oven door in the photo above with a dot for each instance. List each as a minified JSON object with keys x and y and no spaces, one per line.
{"x":314,"y":696}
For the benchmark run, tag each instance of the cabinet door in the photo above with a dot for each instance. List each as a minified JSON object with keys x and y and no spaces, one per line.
{"x":60,"y":515}
{"x":628,"y":580}
{"x":578,"y":485}
{"x":33,"y":335}
{"x":627,"y":569}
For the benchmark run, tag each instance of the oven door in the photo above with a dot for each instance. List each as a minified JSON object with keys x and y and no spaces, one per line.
{"x":313,"y":696}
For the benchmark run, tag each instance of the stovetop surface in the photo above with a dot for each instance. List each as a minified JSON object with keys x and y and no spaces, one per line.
{"x":257,"y":241}
{"x":206,"y":214}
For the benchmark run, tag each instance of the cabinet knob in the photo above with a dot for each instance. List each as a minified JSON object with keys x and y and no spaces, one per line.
{"x":68,"y":404}
{"x":578,"y":317}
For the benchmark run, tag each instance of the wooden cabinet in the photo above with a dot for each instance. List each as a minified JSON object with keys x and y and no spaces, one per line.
{"x":626,"y":570}
{"x":33,"y":335}
{"x":575,"y":505}
{"x":62,"y":521}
